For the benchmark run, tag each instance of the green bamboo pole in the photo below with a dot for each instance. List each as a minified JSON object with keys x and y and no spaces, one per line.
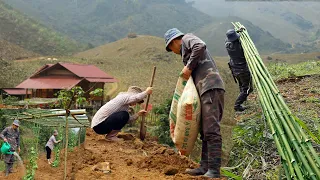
{"x":265,"y":84}
{"x":66,"y":147}
{"x":278,"y":127}
{"x":310,"y":147}
{"x":294,"y":132}
{"x":297,"y":142}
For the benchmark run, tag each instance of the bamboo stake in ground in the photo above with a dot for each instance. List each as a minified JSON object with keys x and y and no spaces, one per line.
{"x":143,"y":128}
{"x":299,"y":158}
{"x":66,"y":131}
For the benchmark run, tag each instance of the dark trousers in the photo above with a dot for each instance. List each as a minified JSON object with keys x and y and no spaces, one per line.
{"x":9,"y":160}
{"x":245,"y":86}
{"x":48,"y":152}
{"x":115,"y":121}
{"x":212,"y":105}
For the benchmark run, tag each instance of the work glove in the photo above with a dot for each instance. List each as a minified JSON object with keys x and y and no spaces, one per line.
{"x":241,"y":29}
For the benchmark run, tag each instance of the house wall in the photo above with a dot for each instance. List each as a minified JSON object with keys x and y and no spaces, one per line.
{"x":45,"y":93}
{"x":57,"y":71}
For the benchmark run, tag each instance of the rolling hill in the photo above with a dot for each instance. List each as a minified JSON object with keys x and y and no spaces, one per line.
{"x":100,"y":22}
{"x":9,"y":51}
{"x":292,"y":22}
{"x":25,"y":33}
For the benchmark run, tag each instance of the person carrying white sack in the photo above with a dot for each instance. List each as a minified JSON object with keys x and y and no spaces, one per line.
{"x":200,"y":65}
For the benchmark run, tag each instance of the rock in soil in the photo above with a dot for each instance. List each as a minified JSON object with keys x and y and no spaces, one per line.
{"x":103,"y":167}
{"x":129,"y":162}
{"x":170,"y":171}
{"x":126,"y":136}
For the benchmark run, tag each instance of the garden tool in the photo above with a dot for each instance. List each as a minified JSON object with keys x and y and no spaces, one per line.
{"x":6,"y":148}
{"x":143,"y":128}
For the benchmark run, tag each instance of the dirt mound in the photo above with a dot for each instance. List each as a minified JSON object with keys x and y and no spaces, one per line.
{"x":127,"y":159}
{"x":18,"y":172}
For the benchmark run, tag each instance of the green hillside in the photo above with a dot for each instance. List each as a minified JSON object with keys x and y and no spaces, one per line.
{"x":99,"y":22}
{"x":18,"y":29}
{"x":9,"y":51}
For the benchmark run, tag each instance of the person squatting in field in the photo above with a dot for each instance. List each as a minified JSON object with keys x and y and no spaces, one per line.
{"x":200,"y":65}
{"x":114,"y":115}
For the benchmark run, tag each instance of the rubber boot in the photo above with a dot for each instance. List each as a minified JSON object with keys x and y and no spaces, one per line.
{"x":7,"y":169}
{"x":112,"y":136}
{"x":10,"y":167}
{"x":239,"y":108}
{"x":214,"y":159}
{"x":203,"y":163}
{"x":212,"y":174}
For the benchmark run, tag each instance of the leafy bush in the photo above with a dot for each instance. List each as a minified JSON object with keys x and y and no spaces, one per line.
{"x":97,"y":92}
{"x":10,"y":100}
{"x":32,"y":166}
{"x":162,"y":130}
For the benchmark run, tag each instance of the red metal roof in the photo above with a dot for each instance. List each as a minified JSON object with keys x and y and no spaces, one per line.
{"x":86,"y":71}
{"x":42,"y":69}
{"x":101,"y":80}
{"x":50,"y":82}
{"x":16,"y":91}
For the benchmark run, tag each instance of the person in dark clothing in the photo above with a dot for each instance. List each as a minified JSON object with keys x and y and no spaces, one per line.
{"x":239,"y":67}
{"x":12,"y":136}
{"x":199,"y":64}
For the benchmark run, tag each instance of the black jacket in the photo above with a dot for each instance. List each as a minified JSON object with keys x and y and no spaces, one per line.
{"x":238,"y":61}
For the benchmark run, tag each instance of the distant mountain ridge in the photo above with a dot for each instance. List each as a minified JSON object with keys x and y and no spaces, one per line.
{"x":291,"y":22}
{"x":20,"y":30}
{"x":100,"y":22}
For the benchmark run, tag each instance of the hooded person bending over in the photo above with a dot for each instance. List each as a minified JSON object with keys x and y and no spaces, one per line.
{"x":114,"y":115}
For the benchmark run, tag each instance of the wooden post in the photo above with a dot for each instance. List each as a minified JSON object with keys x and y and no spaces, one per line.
{"x":102,"y":95}
{"x":67,"y":135}
{"x":143,"y":128}
{"x":79,"y":136}
{"x":66,"y":147}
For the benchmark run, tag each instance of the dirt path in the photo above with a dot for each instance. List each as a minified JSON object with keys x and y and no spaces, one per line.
{"x":129,"y":159}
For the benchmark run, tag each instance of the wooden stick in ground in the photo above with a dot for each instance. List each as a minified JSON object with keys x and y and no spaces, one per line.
{"x":66,"y":135}
{"x":143,"y":128}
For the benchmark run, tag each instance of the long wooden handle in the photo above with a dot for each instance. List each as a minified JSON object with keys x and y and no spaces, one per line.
{"x":143,"y":129}
{"x":151,"y":84}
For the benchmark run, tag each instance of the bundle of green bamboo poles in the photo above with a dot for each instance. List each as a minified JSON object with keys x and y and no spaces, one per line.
{"x":299,"y":158}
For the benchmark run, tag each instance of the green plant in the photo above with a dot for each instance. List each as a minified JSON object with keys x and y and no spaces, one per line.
{"x":67,"y":96}
{"x":32,"y":166}
{"x":97,"y":92}
{"x":162,"y":130}
{"x":311,"y":100}
{"x":10,"y":100}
